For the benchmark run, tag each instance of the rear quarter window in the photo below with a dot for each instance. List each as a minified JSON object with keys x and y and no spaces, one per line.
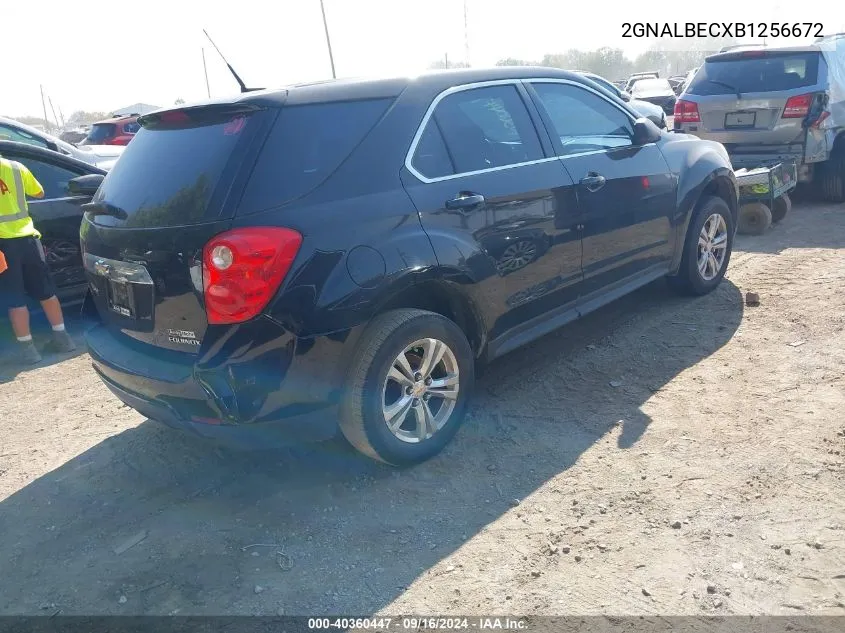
{"x":767,"y":73}
{"x":306,"y":145}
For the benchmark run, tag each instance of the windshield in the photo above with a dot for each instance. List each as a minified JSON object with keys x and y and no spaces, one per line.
{"x":169,"y":175}
{"x":764,"y":73}
{"x":651,"y":85}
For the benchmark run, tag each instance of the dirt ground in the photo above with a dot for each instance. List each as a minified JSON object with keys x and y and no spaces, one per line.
{"x":664,"y":456}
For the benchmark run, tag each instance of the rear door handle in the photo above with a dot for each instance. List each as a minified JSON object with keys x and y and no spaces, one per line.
{"x":593,"y":181}
{"x":466,"y":201}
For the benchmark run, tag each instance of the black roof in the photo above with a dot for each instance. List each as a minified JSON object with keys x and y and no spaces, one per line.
{"x":33,"y":151}
{"x":373,"y":88}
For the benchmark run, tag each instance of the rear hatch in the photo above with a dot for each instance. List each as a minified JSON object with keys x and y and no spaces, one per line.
{"x":144,"y":231}
{"x":751,"y":98}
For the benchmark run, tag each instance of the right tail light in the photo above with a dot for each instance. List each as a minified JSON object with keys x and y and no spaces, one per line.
{"x":243,"y":269}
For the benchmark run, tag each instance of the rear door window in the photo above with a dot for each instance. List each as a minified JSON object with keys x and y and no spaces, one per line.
{"x":177,"y":172}
{"x":306,"y":145}
{"x":756,"y":72}
{"x":479,"y":129}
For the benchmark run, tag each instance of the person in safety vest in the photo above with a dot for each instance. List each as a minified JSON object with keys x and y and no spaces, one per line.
{"x":26,"y":272}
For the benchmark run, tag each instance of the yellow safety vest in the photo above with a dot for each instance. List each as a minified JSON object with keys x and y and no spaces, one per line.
{"x":16,"y":181}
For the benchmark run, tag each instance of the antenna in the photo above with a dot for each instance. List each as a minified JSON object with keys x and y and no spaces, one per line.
{"x":205,"y":70}
{"x":229,"y":66}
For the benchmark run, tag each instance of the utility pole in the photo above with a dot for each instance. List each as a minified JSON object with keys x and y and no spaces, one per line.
{"x":62,"y":116}
{"x":44,"y":107}
{"x":447,"y":60}
{"x":55,"y":118}
{"x":205,"y":70}
{"x":328,"y":39}
{"x":466,"y":35}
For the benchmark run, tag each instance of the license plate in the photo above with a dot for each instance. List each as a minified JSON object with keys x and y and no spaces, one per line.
{"x":120,"y":298}
{"x":740,"y":119}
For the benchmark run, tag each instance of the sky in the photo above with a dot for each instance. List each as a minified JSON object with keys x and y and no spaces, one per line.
{"x":103,"y":55}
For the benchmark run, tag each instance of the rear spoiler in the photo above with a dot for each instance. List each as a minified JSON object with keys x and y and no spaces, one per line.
{"x":195,"y":115}
{"x":731,"y":54}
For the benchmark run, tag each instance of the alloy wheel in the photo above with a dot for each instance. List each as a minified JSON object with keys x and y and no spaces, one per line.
{"x":421,"y":390}
{"x":712,"y":247}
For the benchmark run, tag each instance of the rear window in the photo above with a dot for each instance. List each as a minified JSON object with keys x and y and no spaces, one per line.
{"x":100,"y":132}
{"x":306,"y":145}
{"x":766,"y":73}
{"x":171,"y":174}
{"x":649,"y":85}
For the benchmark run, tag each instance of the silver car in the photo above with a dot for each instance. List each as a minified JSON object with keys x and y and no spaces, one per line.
{"x":650,"y":111}
{"x":769,"y":105}
{"x":102,"y":156}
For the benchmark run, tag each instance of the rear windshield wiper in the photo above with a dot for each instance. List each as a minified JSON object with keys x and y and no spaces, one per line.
{"x":726,"y":85}
{"x":104,"y":208}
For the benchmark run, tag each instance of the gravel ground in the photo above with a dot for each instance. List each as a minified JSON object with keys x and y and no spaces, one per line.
{"x":664,"y":456}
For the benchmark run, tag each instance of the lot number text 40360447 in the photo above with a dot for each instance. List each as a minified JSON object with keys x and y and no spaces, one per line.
{"x":722,"y":29}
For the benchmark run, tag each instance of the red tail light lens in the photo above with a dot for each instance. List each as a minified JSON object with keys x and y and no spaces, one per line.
{"x":797,"y":107}
{"x":242,"y":269}
{"x":686,"y":112}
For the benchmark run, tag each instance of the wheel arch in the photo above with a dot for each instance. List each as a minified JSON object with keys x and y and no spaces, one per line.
{"x":446,"y":299}
{"x":719,"y":182}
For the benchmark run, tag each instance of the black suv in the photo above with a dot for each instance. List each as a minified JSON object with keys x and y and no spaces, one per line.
{"x":350,"y":251}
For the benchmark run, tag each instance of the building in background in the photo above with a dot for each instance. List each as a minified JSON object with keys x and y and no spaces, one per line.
{"x":137,"y":108}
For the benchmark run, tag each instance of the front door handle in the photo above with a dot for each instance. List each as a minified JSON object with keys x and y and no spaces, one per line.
{"x":593,"y":181}
{"x":466,"y":201}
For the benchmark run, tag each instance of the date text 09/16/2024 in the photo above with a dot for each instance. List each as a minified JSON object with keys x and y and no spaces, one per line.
{"x":377,"y":623}
{"x":722,"y":29}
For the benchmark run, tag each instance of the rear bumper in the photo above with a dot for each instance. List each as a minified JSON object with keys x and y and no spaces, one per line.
{"x":260,"y":396}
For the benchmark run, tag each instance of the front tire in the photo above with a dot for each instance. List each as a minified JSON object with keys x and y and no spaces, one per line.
{"x":408,"y":387}
{"x":707,"y":248}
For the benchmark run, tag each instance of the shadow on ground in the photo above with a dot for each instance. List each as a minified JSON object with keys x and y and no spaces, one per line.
{"x":177,"y":526}
{"x":41,"y":333}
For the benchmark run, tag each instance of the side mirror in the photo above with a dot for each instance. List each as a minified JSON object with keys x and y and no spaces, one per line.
{"x":645,"y":132}
{"x":85,"y":185}
{"x":624,"y":96}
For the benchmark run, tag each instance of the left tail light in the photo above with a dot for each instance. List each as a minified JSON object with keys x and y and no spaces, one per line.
{"x":243,"y":269}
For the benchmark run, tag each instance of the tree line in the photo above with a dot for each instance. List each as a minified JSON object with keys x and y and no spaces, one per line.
{"x":613,"y":64}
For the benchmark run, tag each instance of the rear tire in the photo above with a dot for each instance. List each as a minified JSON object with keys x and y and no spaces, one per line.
{"x":754,"y":218}
{"x":832,"y":181}
{"x":421,"y":428}
{"x":690,"y":279}
{"x":782,"y":206}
